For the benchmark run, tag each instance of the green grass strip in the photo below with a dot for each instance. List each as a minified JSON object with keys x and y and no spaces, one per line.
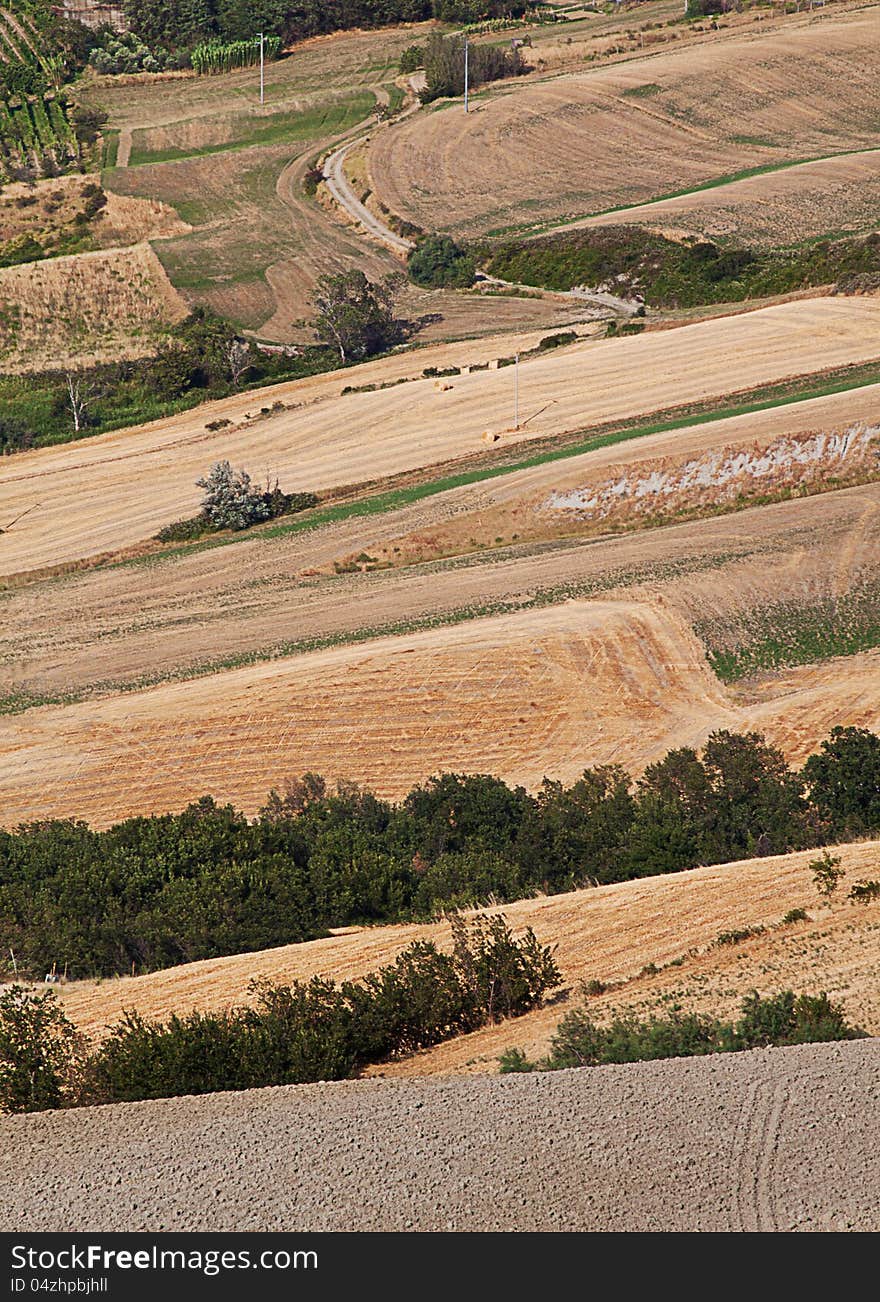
{"x":396,"y":498}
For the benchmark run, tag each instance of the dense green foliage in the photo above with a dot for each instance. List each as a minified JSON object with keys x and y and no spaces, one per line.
{"x":444,"y":66}
{"x":437,"y":262}
{"x":201,"y":358}
{"x":124,"y":52}
{"x":217,"y":56}
{"x":155,"y":891}
{"x":774,"y":1021}
{"x":291,"y":1035}
{"x":37,"y":1051}
{"x":187,"y":22}
{"x":631,"y":261}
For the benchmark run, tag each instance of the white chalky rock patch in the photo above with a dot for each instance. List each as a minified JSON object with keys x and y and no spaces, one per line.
{"x":719,"y":469}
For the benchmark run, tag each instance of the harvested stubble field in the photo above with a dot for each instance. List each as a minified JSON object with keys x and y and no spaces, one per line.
{"x":84,"y":309}
{"x":85,"y":633}
{"x":543,"y":692}
{"x":804,"y":202}
{"x":779,"y":1139}
{"x":633,"y":131}
{"x":817,"y":444}
{"x":118,"y":489}
{"x":609,"y":934}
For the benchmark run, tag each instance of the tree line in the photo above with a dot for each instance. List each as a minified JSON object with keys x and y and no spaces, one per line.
{"x":288,"y":1035}
{"x":187,"y":22}
{"x":155,"y":891}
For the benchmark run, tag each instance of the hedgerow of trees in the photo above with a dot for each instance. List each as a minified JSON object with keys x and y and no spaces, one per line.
{"x":770,"y":1022}
{"x":155,"y":891}
{"x":444,"y":65}
{"x":186,"y":22}
{"x":308,"y":1031}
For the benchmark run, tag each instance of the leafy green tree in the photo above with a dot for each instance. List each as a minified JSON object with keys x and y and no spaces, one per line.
{"x":844,"y":782}
{"x":355,"y":316}
{"x":38,"y":1046}
{"x":437,"y":262}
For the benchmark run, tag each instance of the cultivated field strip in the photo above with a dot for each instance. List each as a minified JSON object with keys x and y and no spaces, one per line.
{"x":627,"y":133}
{"x":642,"y":1147}
{"x":117,"y":489}
{"x":799,"y":202}
{"x":545,"y":692}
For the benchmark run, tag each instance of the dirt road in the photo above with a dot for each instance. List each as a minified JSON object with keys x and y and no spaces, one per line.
{"x":773,"y":1140}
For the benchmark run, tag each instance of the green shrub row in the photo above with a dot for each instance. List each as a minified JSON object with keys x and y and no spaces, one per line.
{"x":155,"y":891}
{"x":291,"y":1035}
{"x":771,"y":1022}
{"x":631,"y":261}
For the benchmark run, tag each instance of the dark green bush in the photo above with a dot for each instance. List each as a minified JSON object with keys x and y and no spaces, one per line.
{"x":437,"y":262}
{"x":320,"y":1031}
{"x":776,"y":1020}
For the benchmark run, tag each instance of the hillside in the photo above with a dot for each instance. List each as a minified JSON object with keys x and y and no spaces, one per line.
{"x":608,"y":933}
{"x":689,"y":116}
{"x":119,"y":488}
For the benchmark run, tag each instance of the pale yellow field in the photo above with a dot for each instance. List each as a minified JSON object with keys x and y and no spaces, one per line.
{"x":609,"y":933}
{"x":655,"y":124}
{"x":86,"y":308}
{"x":544,"y":692}
{"x":105,"y":493}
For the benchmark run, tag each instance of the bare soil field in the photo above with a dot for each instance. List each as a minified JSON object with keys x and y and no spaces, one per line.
{"x":606,"y":933}
{"x":833,"y":196}
{"x":506,"y":695}
{"x":87,"y":308}
{"x":687,"y":116}
{"x":779,"y":1139}
{"x":105,"y":493}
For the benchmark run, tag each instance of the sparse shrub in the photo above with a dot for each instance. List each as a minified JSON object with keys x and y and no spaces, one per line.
{"x":737,"y":936}
{"x":827,"y":873}
{"x":230,"y":502}
{"x":795,"y":915}
{"x":864,"y":892}
{"x":557,"y":340}
{"x":593,"y":988}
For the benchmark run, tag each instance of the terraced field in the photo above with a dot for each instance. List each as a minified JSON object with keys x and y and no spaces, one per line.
{"x":117,"y":489}
{"x":636,"y":130}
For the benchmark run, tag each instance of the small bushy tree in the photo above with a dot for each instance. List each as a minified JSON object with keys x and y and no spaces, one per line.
{"x":230,"y":502}
{"x":355,"y":315}
{"x":438,"y":262}
{"x":37,"y":1051}
{"x":827,"y":873}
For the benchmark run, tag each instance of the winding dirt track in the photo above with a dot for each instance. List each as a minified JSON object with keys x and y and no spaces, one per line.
{"x":104,"y":493}
{"x":775,"y":1140}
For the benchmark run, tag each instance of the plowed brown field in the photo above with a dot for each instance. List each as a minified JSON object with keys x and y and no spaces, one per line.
{"x":636,"y":130}
{"x":609,"y":934}
{"x":119,"y":488}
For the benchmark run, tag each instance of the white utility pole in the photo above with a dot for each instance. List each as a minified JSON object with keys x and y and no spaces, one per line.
{"x":465,"y":74}
{"x":516,"y":392}
{"x":262,"y":73}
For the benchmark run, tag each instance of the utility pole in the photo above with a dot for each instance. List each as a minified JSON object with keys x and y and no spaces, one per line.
{"x":516,"y":392}
{"x":262,"y":72}
{"x":465,"y":74}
